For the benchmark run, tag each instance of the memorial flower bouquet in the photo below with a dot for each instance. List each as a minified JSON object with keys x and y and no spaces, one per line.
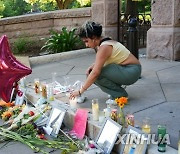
{"x":121,"y":102}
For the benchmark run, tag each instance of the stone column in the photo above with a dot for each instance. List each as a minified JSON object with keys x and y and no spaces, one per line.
{"x":163,"y":38}
{"x":105,"y":12}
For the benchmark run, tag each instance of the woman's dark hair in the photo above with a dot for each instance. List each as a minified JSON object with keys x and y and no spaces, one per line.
{"x":90,"y":29}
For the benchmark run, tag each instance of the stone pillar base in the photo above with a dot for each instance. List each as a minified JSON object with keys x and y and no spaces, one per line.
{"x":105,"y":12}
{"x":110,"y":32}
{"x":163,"y":43}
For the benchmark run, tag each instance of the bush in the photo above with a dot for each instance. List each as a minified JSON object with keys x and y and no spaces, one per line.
{"x":22,"y":45}
{"x":62,"y":41}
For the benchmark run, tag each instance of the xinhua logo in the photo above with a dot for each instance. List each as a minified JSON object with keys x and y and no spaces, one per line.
{"x":142,"y":138}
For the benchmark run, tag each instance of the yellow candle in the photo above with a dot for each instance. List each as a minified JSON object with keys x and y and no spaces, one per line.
{"x":146,"y":129}
{"x":44,"y":89}
{"x":36,"y":85}
{"x":146,"y":125}
{"x":95,"y":109}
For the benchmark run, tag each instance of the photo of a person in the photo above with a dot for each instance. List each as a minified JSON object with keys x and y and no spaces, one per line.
{"x":106,"y":146}
{"x":135,"y":143}
{"x":134,"y":149}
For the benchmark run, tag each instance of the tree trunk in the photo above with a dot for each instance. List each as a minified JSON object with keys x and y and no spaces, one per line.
{"x":60,"y":4}
{"x":66,"y":3}
{"x":63,"y":4}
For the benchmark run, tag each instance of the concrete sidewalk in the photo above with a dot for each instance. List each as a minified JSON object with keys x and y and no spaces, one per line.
{"x":155,"y":95}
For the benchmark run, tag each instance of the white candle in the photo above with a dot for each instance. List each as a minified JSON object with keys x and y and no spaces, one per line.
{"x":107,"y":112}
{"x":50,"y":93}
{"x":95,"y":109}
{"x":73,"y":103}
{"x":101,"y":117}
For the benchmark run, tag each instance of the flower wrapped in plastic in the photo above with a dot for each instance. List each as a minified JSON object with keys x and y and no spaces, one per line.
{"x":121,"y":102}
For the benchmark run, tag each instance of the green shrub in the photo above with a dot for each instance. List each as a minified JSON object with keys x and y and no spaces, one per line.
{"x":62,"y":41}
{"x":22,"y":45}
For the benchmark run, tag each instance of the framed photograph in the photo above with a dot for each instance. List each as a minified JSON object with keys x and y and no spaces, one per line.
{"x":54,"y":122}
{"x":108,"y":135}
{"x":135,"y":142}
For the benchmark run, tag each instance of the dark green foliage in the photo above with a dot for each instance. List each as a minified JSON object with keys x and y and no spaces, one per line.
{"x":62,"y":41}
{"x":144,"y":6}
{"x":20,"y":7}
{"x":47,"y":7}
{"x":74,"y":4}
{"x":15,"y":8}
{"x":22,"y":45}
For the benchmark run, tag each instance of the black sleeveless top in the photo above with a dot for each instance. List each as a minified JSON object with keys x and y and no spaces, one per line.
{"x":104,"y":39}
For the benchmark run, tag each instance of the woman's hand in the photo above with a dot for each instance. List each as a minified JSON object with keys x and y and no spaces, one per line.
{"x":74,"y":94}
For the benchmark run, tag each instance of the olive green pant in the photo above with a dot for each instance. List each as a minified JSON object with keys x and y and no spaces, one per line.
{"x":113,"y":76}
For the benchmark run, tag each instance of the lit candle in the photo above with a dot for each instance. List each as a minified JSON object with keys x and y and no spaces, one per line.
{"x":146,"y":125}
{"x":73,"y":103}
{"x":146,"y":129}
{"x":95,"y":109}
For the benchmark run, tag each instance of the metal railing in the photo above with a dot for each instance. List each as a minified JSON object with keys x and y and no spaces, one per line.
{"x":143,"y":25}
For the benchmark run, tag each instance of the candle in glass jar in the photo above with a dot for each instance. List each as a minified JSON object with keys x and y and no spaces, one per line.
{"x":50,"y":92}
{"x":107,"y":112}
{"x":130,"y":120}
{"x":146,"y":128}
{"x":101,"y":117}
{"x":73,"y":103}
{"x":161,"y":142}
{"x":95,"y":109}
{"x":44,"y":89}
{"x":36,"y":85}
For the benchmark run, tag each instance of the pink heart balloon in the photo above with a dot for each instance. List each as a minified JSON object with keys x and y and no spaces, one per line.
{"x":11,"y":70}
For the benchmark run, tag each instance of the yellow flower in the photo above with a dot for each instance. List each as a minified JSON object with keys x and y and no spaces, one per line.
{"x":6,"y":115}
{"x":121,"y":105}
{"x":121,"y":101}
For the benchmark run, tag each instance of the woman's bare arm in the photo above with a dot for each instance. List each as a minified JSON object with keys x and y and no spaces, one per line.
{"x":102,"y":55}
